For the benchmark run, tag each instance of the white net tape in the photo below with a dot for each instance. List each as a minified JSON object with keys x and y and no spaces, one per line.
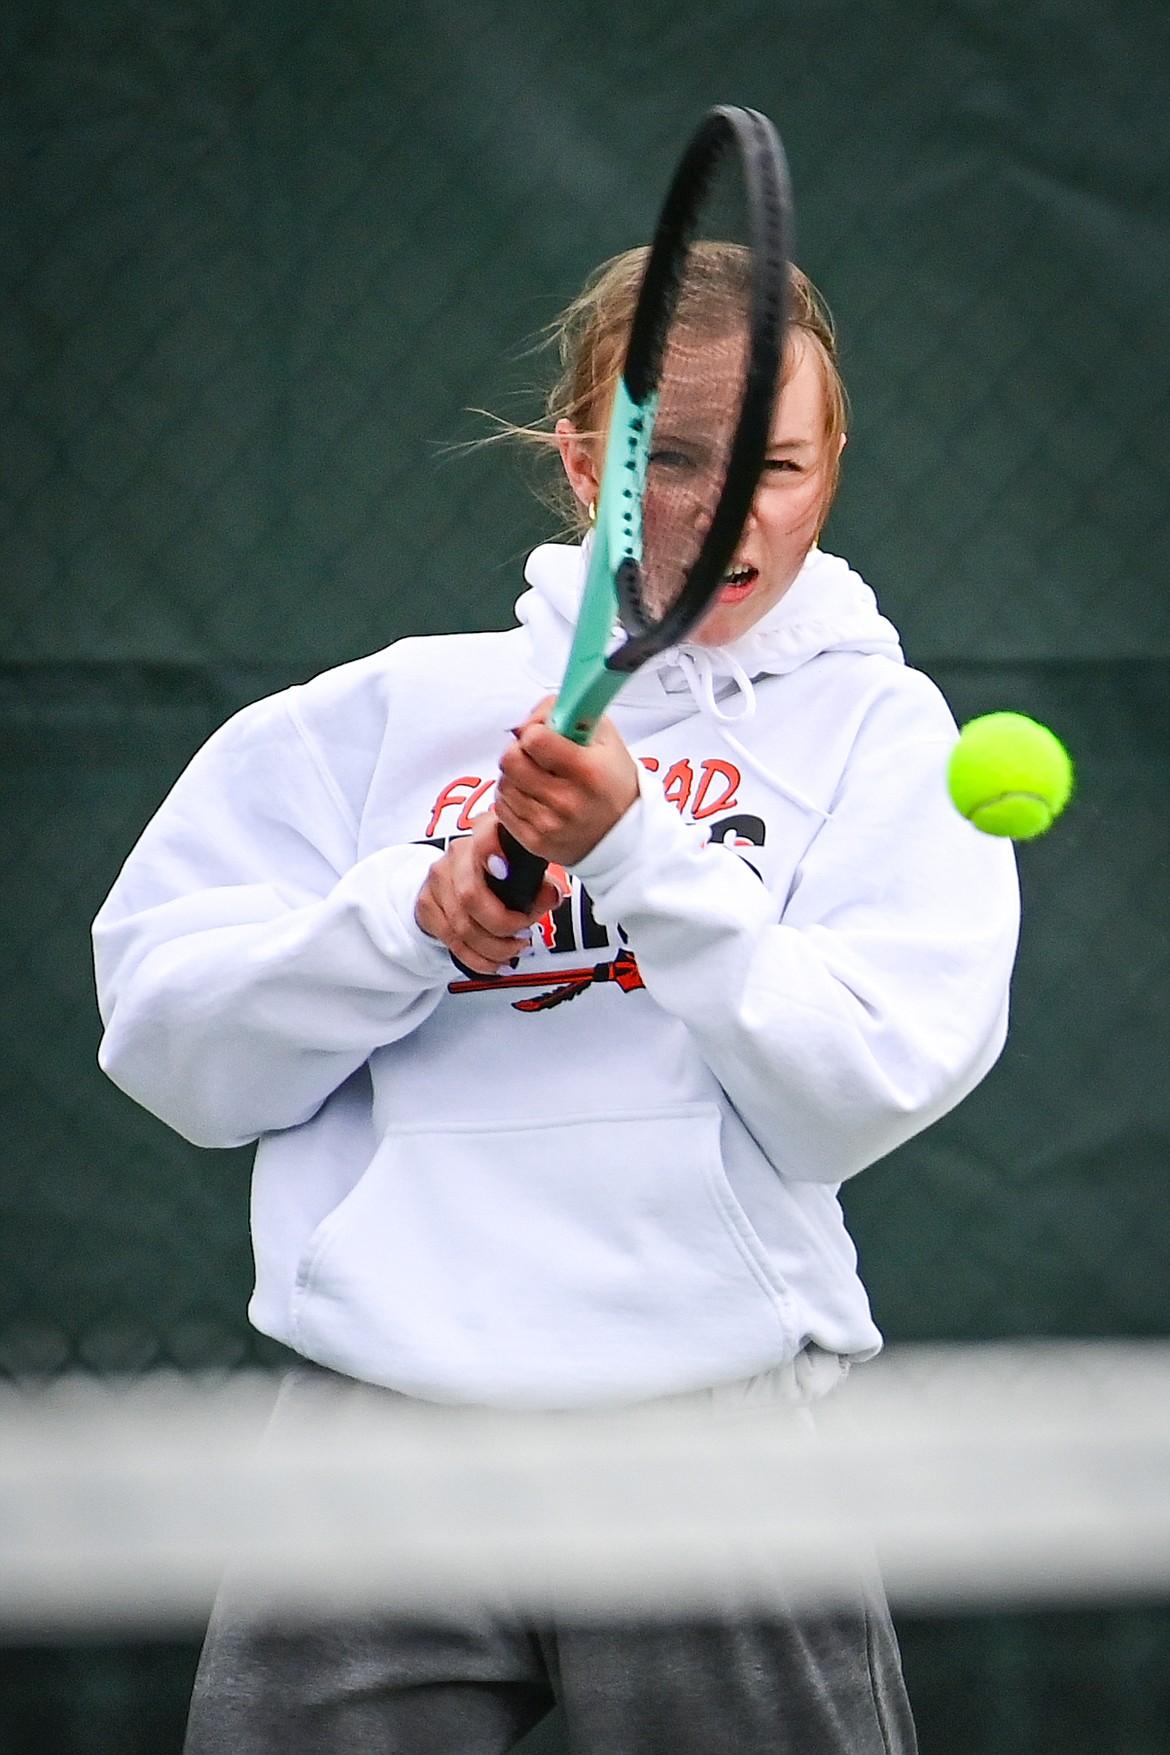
{"x":1003,"y":1474}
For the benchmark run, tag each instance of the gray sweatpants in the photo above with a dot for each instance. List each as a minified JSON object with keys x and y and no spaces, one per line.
{"x":820,"y":1684}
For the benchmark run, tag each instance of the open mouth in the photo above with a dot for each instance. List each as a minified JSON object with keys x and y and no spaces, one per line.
{"x":737,"y":582}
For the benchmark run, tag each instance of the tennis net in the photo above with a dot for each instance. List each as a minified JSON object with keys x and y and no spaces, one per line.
{"x":1003,"y":1475}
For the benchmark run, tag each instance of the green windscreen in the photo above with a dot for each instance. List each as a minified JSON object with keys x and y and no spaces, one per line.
{"x":259,"y":263}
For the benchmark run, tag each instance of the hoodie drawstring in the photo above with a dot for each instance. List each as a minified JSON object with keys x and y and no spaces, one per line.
{"x":695,"y":664}
{"x":699,"y":672}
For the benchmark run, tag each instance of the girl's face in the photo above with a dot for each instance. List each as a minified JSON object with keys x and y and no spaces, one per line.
{"x":787,"y":512}
{"x":789,"y":507}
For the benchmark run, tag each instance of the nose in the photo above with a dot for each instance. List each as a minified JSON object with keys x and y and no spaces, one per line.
{"x":704,"y":518}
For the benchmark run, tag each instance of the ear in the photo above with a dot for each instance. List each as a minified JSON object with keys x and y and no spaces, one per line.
{"x":579,"y":462}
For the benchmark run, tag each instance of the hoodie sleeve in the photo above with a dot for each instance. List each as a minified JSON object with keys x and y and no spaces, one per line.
{"x":247,"y":963}
{"x":842,"y":1020}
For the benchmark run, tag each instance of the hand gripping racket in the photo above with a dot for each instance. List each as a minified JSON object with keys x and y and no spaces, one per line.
{"x":689,"y":427}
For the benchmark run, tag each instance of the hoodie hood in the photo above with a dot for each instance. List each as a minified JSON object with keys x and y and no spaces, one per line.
{"x":827,"y":608}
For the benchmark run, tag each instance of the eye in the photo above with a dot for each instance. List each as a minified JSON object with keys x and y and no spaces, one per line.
{"x":668,"y":458}
{"x":783,"y":465}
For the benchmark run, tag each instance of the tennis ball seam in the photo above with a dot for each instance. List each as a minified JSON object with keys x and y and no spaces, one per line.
{"x":1013,"y":792}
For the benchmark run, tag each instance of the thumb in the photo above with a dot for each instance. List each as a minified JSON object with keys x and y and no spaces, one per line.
{"x":553,"y":890}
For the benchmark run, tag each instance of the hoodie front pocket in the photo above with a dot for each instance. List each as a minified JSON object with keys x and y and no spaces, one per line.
{"x":563,"y":1259}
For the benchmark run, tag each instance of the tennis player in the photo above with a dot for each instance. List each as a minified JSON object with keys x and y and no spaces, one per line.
{"x":598,"y":1163}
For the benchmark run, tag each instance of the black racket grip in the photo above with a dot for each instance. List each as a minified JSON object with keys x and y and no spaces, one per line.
{"x":521,"y":887}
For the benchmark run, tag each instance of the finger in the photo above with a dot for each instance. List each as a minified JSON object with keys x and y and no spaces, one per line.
{"x":564,"y":754}
{"x":549,"y":898}
{"x":523,"y":782}
{"x":533,"y":825}
{"x":502,"y":941}
{"x":470,"y":956}
{"x":490,"y":946}
{"x":548,"y":749}
{"x":485,"y":955}
{"x":523,"y":812}
{"x":538,"y":716}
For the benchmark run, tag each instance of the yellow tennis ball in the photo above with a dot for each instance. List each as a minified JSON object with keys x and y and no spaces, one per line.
{"x":1009,"y":775}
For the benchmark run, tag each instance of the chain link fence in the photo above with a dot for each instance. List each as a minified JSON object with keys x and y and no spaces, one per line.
{"x":260,"y":262}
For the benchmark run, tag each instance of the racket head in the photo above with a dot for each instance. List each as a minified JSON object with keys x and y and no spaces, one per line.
{"x":706,"y":376}
{"x":692,"y":410}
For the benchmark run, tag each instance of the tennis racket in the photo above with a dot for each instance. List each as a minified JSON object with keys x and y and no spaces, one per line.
{"x":689,"y":427}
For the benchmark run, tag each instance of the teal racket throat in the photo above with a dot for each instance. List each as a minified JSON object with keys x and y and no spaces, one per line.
{"x":590,"y":682}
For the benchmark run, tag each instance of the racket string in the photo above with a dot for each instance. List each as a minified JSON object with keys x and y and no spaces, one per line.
{"x":700,"y":395}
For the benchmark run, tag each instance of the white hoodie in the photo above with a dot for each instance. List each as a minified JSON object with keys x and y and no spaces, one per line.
{"x":612,"y":1173}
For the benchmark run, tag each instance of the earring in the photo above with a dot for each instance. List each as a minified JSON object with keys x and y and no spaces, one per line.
{"x":592,"y":511}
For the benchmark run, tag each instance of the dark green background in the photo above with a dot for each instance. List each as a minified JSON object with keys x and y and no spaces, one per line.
{"x":258,"y":262}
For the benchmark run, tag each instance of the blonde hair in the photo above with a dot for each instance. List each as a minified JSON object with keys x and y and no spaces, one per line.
{"x":590,"y":337}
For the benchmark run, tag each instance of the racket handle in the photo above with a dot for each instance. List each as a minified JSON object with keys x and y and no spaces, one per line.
{"x":521,"y":887}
